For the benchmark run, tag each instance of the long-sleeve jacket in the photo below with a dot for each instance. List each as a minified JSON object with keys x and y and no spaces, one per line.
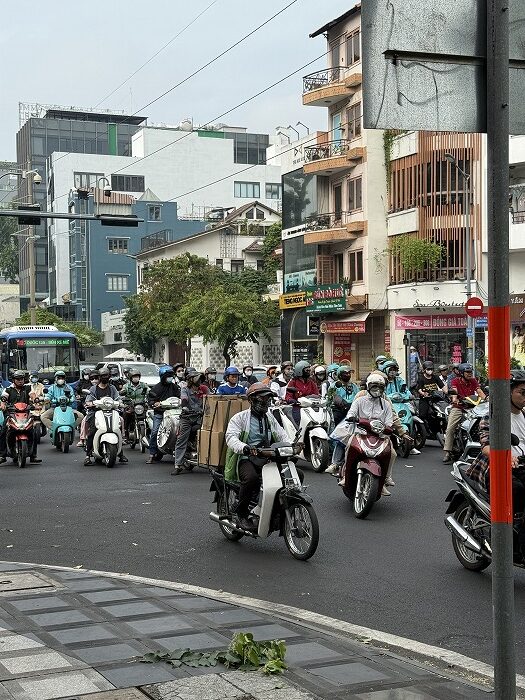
{"x":398,"y":386}
{"x":162,"y":391}
{"x":55,"y":392}
{"x":398,"y":427}
{"x":305,"y":387}
{"x":135,"y":392}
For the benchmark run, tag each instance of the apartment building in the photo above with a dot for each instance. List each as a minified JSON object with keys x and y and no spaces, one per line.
{"x":334,"y":217}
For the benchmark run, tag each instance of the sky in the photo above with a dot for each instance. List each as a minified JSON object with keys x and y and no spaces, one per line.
{"x":76,"y":54}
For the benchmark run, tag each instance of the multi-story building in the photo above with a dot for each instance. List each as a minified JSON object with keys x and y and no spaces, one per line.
{"x":43,"y":131}
{"x":334,"y":217}
{"x":8,"y":183}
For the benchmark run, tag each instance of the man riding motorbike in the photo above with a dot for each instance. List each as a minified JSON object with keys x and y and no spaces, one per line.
{"x":461,"y":387}
{"x":18,"y":392}
{"x":454,"y":374}
{"x":301,"y":384}
{"x":395,"y":384}
{"x":165,"y":389}
{"x":58,"y":389}
{"x":428,"y":383}
{"x":279,"y":384}
{"x":341,"y":397}
{"x":98,"y":391}
{"x":179,"y":371}
{"x":231,"y":385}
{"x":479,"y":470}
{"x":210,"y":379}
{"x":380,"y":360}
{"x":192,"y":398}
{"x":320,"y":378}
{"x":443,"y":372}
{"x":135,"y":391}
{"x":247,"y":431}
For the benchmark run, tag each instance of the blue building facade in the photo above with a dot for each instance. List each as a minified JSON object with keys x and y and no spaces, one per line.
{"x":102,"y":258}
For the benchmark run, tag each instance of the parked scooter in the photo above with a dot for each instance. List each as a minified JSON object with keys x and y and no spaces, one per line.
{"x":107,"y":441}
{"x":367,"y":458}
{"x":282,"y":507}
{"x":63,"y":425}
{"x":313,"y":429}
{"x":415,"y":427}
{"x":19,"y":424}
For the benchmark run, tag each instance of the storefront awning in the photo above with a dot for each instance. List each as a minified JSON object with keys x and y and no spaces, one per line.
{"x":351,"y":323}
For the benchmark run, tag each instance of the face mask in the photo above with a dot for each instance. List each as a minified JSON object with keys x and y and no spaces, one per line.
{"x":103,"y":380}
{"x":248,"y":373}
{"x":260,"y":406}
{"x":170,"y":380}
{"x":375,"y":392}
{"x":61,"y":382}
{"x":344,"y":377}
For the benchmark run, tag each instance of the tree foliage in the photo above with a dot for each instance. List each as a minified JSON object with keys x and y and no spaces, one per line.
{"x":8,"y":248}
{"x":136,"y":323}
{"x":272,"y":241}
{"x":86,"y":335}
{"x":416,"y":253}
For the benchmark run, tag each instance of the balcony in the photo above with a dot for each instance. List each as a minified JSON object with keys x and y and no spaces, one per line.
{"x":331,"y":157}
{"x":333,"y":227}
{"x":154,"y":240}
{"x":326,"y":87}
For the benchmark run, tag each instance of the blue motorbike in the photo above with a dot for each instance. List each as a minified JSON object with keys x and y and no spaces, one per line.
{"x":63,"y":425}
{"x":405,"y":409}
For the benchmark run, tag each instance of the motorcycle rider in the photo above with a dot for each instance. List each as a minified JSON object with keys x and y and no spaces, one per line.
{"x":17,"y":392}
{"x":301,"y":384}
{"x":247,"y":377}
{"x":94,"y":376}
{"x":165,"y":389}
{"x":479,"y":469}
{"x":231,"y":384}
{"x":320,"y":377}
{"x":428,"y":383}
{"x":192,"y":396}
{"x":279,"y":384}
{"x":380,"y":360}
{"x":395,"y":384}
{"x":461,"y":387}
{"x":331,"y":372}
{"x":103,"y":388}
{"x":58,"y":389}
{"x":454,"y":374}
{"x":271,"y":374}
{"x":443,"y":372}
{"x":179,"y":373}
{"x":342,"y":395}
{"x":115,"y":378}
{"x":210,"y":379}
{"x":83,"y":383}
{"x":135,"y":391}
{"x":247,"y":431}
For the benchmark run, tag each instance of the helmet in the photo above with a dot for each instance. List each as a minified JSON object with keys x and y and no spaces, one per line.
{"x":192,"y":372}
{"x":114,"y":371}
{"x":258,"y":389}
{"x":380,"y":359}
{"x":271,"y":370}
{"x":332,"y":368}
{"x":210,"y":370}
{"x":286,"y":364}
{"x":247,"y":367}
{"x":104,"y":370}
{"x":34,"y":377}
{"x":134,"y":373}
{"x":229,"y":371}
{"x":19,"y":374}
{"x":94,"y":374}
{"x":465,"y":367}
{"x":300,"y":368}
{"x":428,"y":365}
{"x":517,"y":376}
{"x":375,"y":384}
{"x":167,"y":369}
{"x":443,"y":368}
{"x":455,"y":365}
{"x":344,"y":369}
{"x":320,"y":369}
{"x":125,"y":371}
{"x":388,"y":365}
{"x":177,"y":366}
{"x":60,"y":374}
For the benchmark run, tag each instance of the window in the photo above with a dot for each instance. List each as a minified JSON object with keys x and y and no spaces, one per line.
{"x":219,"y":262}
{"x":353,"y":48}
{"x":237,"y":266}
{"x":127,"y":183}
{"x":338,"y":202}
{"x":117,"y":337}
{"x":155,"y":212}
{"x":248,"y":190}
{"x":87,"y":180}
{"x":355,"y":193}
{"x":338,"y":267}
{"x":273,"y":190}
{"x":353,"y":119}
{"x":356,"y":266}
{"x":249,"y":148}
{"x":118,"y":245}
{"x":260,"y":265}
{"x":117,"y":283}
{"x":259,"y":214}
{"x":335,"y":49}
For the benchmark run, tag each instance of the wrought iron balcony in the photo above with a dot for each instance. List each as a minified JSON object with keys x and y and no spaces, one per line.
{"x":518,"y":217}
{"x":322,"y":78}
{"x":330,"y":149}
{"x":154,"y":240}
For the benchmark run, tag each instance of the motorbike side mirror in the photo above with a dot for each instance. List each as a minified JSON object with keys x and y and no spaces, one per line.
{"x":46,"y":390}
{"x":514,"y":440}
{"x":84,"y":391}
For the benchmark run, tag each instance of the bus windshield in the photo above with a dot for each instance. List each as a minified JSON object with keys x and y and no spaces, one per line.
{"x":44,"y":355}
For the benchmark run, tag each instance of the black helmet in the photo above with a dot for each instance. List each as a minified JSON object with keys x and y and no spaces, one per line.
{"x":428,"y":365}
{"x":178,"y":365}
{"x":104,"y":371}
{"x":191,"y":373}
{"x":19,"y":374}
{"x":94,"y":374}
{"x":210,"y":370}
{"x":517,"y":376}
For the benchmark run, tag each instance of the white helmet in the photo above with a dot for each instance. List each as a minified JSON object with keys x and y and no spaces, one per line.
{"x":375,"y":384}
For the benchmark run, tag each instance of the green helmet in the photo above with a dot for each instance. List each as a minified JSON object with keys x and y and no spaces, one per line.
{"x":300,"y":367}
{"x":60,"y":374}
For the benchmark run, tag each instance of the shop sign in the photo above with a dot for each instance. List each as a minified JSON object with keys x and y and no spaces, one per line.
{"x":292,"y":301}
{"x":337,"y":327}
{"x":432,"y":323}
{"x":387,"y":341}
{"x":342,"y":352}
{"x":517,"y":307}
{"x":314,"y":325}
{"x":325,"y":298}
{"x":297,"y":281}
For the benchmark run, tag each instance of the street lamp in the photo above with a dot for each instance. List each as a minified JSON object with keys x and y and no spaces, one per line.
{"x":471,"y":323}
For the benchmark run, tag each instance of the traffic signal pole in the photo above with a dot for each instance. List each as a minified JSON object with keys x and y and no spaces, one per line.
{"x":499,"y":348}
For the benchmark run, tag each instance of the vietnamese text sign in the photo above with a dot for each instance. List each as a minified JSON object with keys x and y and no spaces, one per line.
{"x":429,"y":323}
{"x":337,"y":327}
{"x":292,"y":301}
{"x":326,"y":298}
{"x":342,"y":349}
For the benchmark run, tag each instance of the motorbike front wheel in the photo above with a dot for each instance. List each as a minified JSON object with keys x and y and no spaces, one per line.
{"x":301,"y":530}
{"x":66,"y":442}
{"x":223,"y":509}
{"x":142,"y":434}
{"x":110,"y":454}
{"x":21,"y":453}
{"x":419,"y":435}
{"x":320,"y":456}
{"x":37,"y":432}
{"x":467,"y":558}
{"x":366,"y":494}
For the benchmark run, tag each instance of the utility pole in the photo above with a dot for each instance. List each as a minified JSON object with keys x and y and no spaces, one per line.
{"x":499,"y":350}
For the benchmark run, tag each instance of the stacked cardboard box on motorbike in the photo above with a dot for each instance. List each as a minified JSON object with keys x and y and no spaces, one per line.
{"x":217,"y":413}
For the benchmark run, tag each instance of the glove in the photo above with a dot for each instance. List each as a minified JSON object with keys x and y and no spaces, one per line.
{"x":246,"y":450}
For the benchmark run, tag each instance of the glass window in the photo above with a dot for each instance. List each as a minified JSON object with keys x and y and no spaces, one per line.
{"x":353,"y":119}
{"x":37,"y":146}
{"x":117,"y":283}
{"x":237,"y":266}
{"x":356,"y":266}
{"x":247,"y":190}
{"x":335,"y":49}
{"x":299,"y":198}
{"x":353,"y":48}
{"x":118,"y":245}
{"x":259,"y":214}
{"x":155,"y":212}
{"x":127,"y":183}
{"x":87,"y":180}
{"x":355,"y":193}
{"x":219,"y":262}
{"x":260,"y":265}
{"x":273,"y":190}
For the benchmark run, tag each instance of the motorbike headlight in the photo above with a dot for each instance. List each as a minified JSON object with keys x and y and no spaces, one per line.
{"x":402,"y":413}
{"x":107,"y":402}
{"x":286,"y":451}
{"x":139,"y":410}
{"x":377,"y":426}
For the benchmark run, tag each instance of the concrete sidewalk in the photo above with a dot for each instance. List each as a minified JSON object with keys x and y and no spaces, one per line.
{"x":71,"y":634}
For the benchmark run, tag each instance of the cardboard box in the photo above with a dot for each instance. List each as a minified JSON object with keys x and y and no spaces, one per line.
{"x":212,"y":448}
{"x":219,"y":409}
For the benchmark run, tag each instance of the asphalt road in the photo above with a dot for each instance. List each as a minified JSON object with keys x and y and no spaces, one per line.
{"x":395,"y":571}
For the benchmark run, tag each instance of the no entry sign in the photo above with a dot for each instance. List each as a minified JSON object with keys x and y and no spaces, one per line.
{"x":474,"y":307}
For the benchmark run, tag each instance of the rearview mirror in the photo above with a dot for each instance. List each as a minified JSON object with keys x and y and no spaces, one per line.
{"x":514,"y":440}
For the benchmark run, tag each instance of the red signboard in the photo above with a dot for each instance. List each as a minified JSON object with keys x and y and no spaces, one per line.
{"x":474,"y":307}
{"x":387,"y":341}
{"x":343,"y":327}
{"x":431,"y":323}
{"x":342,"y":350}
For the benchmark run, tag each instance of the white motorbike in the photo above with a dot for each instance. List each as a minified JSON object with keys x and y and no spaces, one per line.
{"x":169,"y":427}
{"x":313,"y":429}
{"x":107,"y":441}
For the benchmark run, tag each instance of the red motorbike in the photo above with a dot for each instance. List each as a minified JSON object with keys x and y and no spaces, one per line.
{"x":19,"y":432}
{"x":367,"y":459}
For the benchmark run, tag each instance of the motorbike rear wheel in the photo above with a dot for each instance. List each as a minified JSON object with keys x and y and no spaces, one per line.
{"x":142,"y":434}
{"x":66,"y":442}
{"x":419,"y":435}
{"x":467,"y":558}
{"x":37,"y":432}
{"x":21,"y":453}
{"x":223,"y":509}
{"x":109,"y":454}
{"x":301,"y":530}
{"x":366,"y":494}
{"x":320,"y":457}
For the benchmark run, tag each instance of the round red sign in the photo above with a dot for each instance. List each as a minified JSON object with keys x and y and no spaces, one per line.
{"x":474,"y":307}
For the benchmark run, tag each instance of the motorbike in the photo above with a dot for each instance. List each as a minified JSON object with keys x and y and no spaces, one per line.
{"x":468,"y":430}
{"x":414,"y":426}
{"x":63,"y":425}
{"x":169,"y":427}
{"x":107,"y":441}
{"x":282,"y":505}
{"x":39,"y":429}
{"x":468,"y":519}
{"x":137,"y":429}
{"x":19,"y":425}
{"x":314,"y":426}
{"x":436,"y":422}
{"x":367,"y":458}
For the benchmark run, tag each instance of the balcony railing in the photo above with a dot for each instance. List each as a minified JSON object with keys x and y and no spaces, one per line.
{"x":518,"y":217}
{"x":156,"y":239}
{"x":322,"y":222}
{"x":322,"y":78}
{"x":330,"y":149}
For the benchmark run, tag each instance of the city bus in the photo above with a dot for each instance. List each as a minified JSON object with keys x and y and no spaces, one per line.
{"x":42,"y":349}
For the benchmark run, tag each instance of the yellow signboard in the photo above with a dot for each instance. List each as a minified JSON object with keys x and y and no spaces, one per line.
{"x":294,"y":300}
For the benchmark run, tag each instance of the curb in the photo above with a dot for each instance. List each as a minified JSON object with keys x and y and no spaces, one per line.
{"x":449,"y":661}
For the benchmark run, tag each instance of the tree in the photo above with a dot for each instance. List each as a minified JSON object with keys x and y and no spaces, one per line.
{"x":9,"y":248}
{"x":272,"y":241}
{"x":227,"y":315}
{"x":86,"y":335}
{"x":138,"y":330}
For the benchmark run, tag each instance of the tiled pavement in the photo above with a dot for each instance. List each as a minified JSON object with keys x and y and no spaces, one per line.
{"x":76,"y":634}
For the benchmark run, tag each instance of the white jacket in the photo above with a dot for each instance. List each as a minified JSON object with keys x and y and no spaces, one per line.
{"x":372,"y":409}
{"x":239,"y":426}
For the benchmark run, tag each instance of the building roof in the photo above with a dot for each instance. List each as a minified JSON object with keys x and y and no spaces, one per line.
{"x":255,"y":247}
{"x":79,"y":115}
{"x":148,"y":196}
{"x":236,"y":213}
{"x":355,"y":10}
